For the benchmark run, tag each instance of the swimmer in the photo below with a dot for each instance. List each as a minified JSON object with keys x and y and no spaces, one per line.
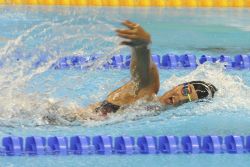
{"x":144,"y":83}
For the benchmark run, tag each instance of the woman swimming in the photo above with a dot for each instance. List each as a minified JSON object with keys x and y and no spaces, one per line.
{"x":144,"y":83}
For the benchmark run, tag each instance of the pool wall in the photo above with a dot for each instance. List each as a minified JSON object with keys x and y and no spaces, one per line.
{"x":134,"y":3}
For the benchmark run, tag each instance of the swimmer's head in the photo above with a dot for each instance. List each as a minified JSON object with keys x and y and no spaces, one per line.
{"x":187,"y":92}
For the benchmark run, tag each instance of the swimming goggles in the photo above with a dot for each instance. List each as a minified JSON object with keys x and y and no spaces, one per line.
{"x":186,"y":91}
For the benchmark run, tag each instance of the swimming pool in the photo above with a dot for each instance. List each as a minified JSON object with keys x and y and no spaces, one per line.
{"x":29,"y":34}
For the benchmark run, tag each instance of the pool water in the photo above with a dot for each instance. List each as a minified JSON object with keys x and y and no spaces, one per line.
{"x":30,"y":89}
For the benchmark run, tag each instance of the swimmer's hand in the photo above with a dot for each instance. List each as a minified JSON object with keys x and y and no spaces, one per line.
{"x":136,"y":35}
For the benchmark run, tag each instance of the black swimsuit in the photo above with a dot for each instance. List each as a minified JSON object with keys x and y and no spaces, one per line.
{"x":107,"y":107}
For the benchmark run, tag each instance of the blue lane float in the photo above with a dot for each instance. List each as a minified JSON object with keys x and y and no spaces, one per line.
{"x":188,"y":61}
{"x":80,"y":144}
{"x":241,"y":61}
{"x":234,"y":144}
{"x":107,"y":145}
{"x":168,"y":144}
{"x":35,"y":145}
{"x":170,"y":60}
{"x":103,"y":144}
{"x":57,"y":145}
{"x":205,"y":58}
{"x":191,"y":144}
{"x":212,"y":144}
{"x":147,"y":145}
{"x":13,"y":145}
{"x":167,"y":61}
{"x":125,"y":145}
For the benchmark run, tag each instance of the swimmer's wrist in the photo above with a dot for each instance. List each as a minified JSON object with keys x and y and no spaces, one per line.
{"x":143,"y":46}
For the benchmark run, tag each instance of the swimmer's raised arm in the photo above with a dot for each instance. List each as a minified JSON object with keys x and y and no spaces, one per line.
{"x":142,"y":68}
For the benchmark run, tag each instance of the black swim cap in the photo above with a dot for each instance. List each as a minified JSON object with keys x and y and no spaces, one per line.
{"x":204,"y":89}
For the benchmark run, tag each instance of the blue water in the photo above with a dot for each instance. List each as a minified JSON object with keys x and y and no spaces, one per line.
{"x":29,"y":34}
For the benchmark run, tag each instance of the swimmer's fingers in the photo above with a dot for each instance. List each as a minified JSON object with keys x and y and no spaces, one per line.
{"x":120,"y":31}
{"x":136,"y":34}
{"x":130,"y":24}
{"x":127,"y":36}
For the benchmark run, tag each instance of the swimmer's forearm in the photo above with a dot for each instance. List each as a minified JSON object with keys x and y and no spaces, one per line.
{"x":140,"y":58}
{"x":140,"y":63}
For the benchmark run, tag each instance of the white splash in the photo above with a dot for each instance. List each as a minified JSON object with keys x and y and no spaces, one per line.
{"x":33,"y":52}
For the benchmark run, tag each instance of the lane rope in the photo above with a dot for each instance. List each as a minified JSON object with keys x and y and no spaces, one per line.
{"x":106,"y":145}
{"x":167,"y":61}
